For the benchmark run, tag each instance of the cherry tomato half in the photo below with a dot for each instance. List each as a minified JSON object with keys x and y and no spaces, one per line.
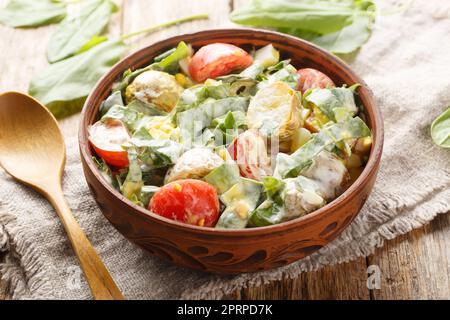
{"x":217,"y":59}
{"x":250,"y":152}
{"x":190,"y":201}
{"x":312,"y":78}
{"x":107,"y":139}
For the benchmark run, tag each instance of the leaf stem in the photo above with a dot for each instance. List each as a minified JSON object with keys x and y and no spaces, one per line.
{"x":165,"y":25}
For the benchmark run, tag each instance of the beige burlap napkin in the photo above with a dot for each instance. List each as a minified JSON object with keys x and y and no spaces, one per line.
{"x":406,"y":63}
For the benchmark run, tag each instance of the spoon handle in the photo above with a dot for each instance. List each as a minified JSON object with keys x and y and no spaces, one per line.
{"x":100,"y":281}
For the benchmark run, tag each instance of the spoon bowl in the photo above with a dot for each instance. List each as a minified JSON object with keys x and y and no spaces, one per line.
{"x":32,"y":150}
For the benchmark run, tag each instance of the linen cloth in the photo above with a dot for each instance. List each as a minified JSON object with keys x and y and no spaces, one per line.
{"x":406,"y":63}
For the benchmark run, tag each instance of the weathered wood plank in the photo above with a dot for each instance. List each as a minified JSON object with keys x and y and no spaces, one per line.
{"x":416,"y":265}
{"x":342,"y":282}
{"x":142,"y":14}
{"x":413,"y":266}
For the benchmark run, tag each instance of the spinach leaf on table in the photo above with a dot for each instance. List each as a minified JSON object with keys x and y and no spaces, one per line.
{"x":347,"y":40}
{"x":75,"y":32}
{"x":71,"y":80}
{"x":340,"y":26}
{"x":316,"y":16}
{"x":440,"y":130}
{"x":32,"y":13}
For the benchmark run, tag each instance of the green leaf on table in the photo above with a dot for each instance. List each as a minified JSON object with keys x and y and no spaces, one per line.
{"x":310,"y":15}
{"x":344,"y":41}
{"x":440,"y":130}
{"x":32,"y":13}
{"x":68,"y":82}
{"x":338,"y":26}
{"x":74,"y":33}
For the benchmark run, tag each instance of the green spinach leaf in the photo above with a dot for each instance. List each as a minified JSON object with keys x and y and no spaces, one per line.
{"x":192,"y":121}
{"x":333,"y":101}
{"x":115,"y":99}
{"x":75,"y":32}
{"x":440,"y":130}
{"x":155,"y":153}
{"x":340,"y":26}
{"x":345,"y":41}
{"x":70,"y":81}
{"x":171,"y":57}
{"x":32,"y":13}
{"x":317,"y":16}
{"x":292,"y":165}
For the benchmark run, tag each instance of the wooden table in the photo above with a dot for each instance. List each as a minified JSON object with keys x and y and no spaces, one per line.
{"x":413,"y":266}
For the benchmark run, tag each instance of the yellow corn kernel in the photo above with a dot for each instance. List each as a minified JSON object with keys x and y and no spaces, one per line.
{"x":177,"y":187}
{"x":354,"y":161}
{"x":320,"y":116}
{"x":223,"y":153}
{"x":181,"y":79}
{"x":363,"y":145}
{"x":241,"y":208}
{"x":201,"y":222}
{"x":161,"y":128}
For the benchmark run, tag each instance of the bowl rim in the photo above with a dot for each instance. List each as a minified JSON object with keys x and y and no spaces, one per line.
{"x":370,"y":168}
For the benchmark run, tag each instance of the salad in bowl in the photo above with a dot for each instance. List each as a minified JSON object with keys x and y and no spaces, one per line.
{"x":230,"y":139}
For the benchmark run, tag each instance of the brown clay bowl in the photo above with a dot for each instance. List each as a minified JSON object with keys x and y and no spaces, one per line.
{"x":233,"y":251}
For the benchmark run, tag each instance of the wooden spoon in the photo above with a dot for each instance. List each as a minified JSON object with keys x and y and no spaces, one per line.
{"x":32,"y":150}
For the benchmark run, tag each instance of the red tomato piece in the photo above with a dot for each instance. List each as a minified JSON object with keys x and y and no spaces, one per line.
{"x":250,"y":152}
{"x":217,"y":59}
{"x":190,"y":201}
{"x":107,"y":139}
{"x":312,"y":78}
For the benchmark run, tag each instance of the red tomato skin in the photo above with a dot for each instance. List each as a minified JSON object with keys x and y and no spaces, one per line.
{"x":312,"y":78}
{"x":250,"y":153}
{"x":217,"y":59}
{"x":189,"y":201}
{"x":116,"y":158}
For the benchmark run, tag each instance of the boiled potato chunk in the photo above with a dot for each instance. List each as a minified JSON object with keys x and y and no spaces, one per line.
{"x":195,"y":163}
{"x":155,"y":87}
{"x":299,"y":201}
{"x":330,"y":174}
{"x":275,"y":112}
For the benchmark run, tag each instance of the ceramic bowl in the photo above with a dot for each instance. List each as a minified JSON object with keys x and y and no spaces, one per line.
{"x":234,"y":251}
